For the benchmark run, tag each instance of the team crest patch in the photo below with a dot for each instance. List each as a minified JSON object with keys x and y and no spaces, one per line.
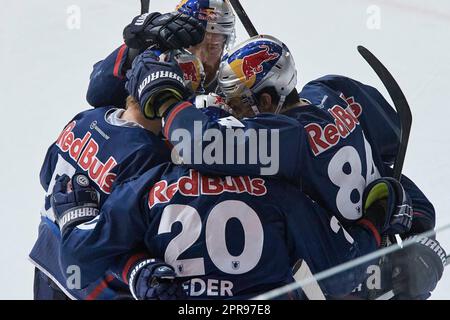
{"x":83,"y":181}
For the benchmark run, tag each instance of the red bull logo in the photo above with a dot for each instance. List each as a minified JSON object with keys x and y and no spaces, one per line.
{"x":196,"y":185}
{"x":208,"y":14}
{"x":253,"y":63}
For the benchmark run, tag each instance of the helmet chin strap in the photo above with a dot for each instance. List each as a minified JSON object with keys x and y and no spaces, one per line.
{"x":280,"y":104}
{"x":255,"y":109}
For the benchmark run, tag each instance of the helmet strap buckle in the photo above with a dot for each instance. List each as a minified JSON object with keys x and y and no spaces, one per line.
{"x":280,"y":104}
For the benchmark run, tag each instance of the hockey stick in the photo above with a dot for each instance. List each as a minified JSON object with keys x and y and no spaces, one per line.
{"x":349,"y":265}
{"x":400,"y":104}
{"x":145,"y":6}
{"x":245,"y":20}
{"x":301,"y":272}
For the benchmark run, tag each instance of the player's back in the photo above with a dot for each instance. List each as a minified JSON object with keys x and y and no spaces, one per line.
{"x":107,"y":153}
{"x":323,"y":149}
{"x":227,"y":238}
{"x":226,"y":235}
{"x":336,"y":161}
{"x":378,"y":119}
{"x":236,"y":237}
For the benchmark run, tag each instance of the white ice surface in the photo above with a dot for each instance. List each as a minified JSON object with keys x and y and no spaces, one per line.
{"x":45,"y":70}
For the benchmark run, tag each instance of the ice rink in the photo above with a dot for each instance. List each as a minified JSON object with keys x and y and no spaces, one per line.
{"x":46,"y":56}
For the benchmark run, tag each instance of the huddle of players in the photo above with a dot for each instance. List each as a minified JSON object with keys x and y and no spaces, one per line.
{"x":135,"y":223}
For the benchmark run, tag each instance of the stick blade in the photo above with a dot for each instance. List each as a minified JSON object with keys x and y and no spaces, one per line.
{"x":400,"y":104}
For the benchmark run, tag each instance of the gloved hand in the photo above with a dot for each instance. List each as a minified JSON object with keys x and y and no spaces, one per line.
{"x":387,"y":206}
{"x":167,"y":31}
{"x":156,"y":84}
{"x":155,"y":280}
{"x":74,"y":201}
{"x":417,"y":269}
{"x":213,"y":106}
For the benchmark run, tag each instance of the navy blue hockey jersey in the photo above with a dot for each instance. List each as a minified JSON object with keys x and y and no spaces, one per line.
{"x":107,"y":81}
{"x":228,"y":238}
{"x":380,"y":124}
{"x":107,"y":154}
{"x":324,"y":148}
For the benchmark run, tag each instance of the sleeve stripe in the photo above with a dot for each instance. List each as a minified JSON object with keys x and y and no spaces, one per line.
{"x":119,"y":61}
{"x":369,"y":225}
{"x":99,"y":289}
{"x":418,"y":214}
{"x":172,"y":115}
{"x":132,"y":261}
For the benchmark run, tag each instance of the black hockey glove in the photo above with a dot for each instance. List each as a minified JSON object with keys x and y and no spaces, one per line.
{"x":155,"y":280}
{"x":156,"y":84}
{"x":417,"y":269}
{"x":387,"y":206}
{"x":74,"y":201}
{"x":167,"y":31}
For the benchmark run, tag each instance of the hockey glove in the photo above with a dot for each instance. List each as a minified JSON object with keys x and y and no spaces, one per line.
{"x":387,"y":206}
{"x":74,"y":201}
{"x":155,"y":280}
{"x":417,"y":269}
{"x":167,"y":31}
{"x":156,"y":84}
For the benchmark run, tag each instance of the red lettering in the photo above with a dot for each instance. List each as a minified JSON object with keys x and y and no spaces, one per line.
{"x":346,"y":119}
{"x":238,"y":182}
{"x":107,"y":185}
{"x":110,"y":164}
{"x":331,"y":134}
{"x":68,"y":139}
{"x":343,"y":131}
{"x":350,"y":113}
{"x":229,"y":185}
{"x":88,"y":155}
{"x":315,"y":138}
{"x":65,"y":132}
{"x":95,"y":169}
{"x":356,"y":108}
{"x":211,"y":185}
{"x":189,"y":186}
{"x":171,"y":190}
{"x":248,"y":185}
{"x":356,"y":111}
{"x":78,"y":145}
{"x":259,"y":188}
{"x":157,"y":194}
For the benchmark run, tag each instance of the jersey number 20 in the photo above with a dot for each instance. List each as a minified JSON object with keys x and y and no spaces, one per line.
{"x":215,"y":238}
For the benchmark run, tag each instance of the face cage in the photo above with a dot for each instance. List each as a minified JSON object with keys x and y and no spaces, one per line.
{"x":227,"y":29}
{"x":246,"y":97}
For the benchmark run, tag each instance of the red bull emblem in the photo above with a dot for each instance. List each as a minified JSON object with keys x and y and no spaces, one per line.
{"x":181,"y":4}
{"x":253,"y":63}
{"x":208,"y":14}
{"x":189,"y":71}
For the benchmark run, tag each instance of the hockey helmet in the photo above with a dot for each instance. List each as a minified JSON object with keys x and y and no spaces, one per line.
{"x":258,"y":63}
{"x":217,"y":16}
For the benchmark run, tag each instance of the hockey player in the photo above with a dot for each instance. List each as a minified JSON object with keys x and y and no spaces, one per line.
{"x":218,"y":235}
{"x":183,"y":29}
{"x":211,"y":237}
{"x":324,"y":148}
{"x":108,"y":145}
{"x":381,"y":123}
